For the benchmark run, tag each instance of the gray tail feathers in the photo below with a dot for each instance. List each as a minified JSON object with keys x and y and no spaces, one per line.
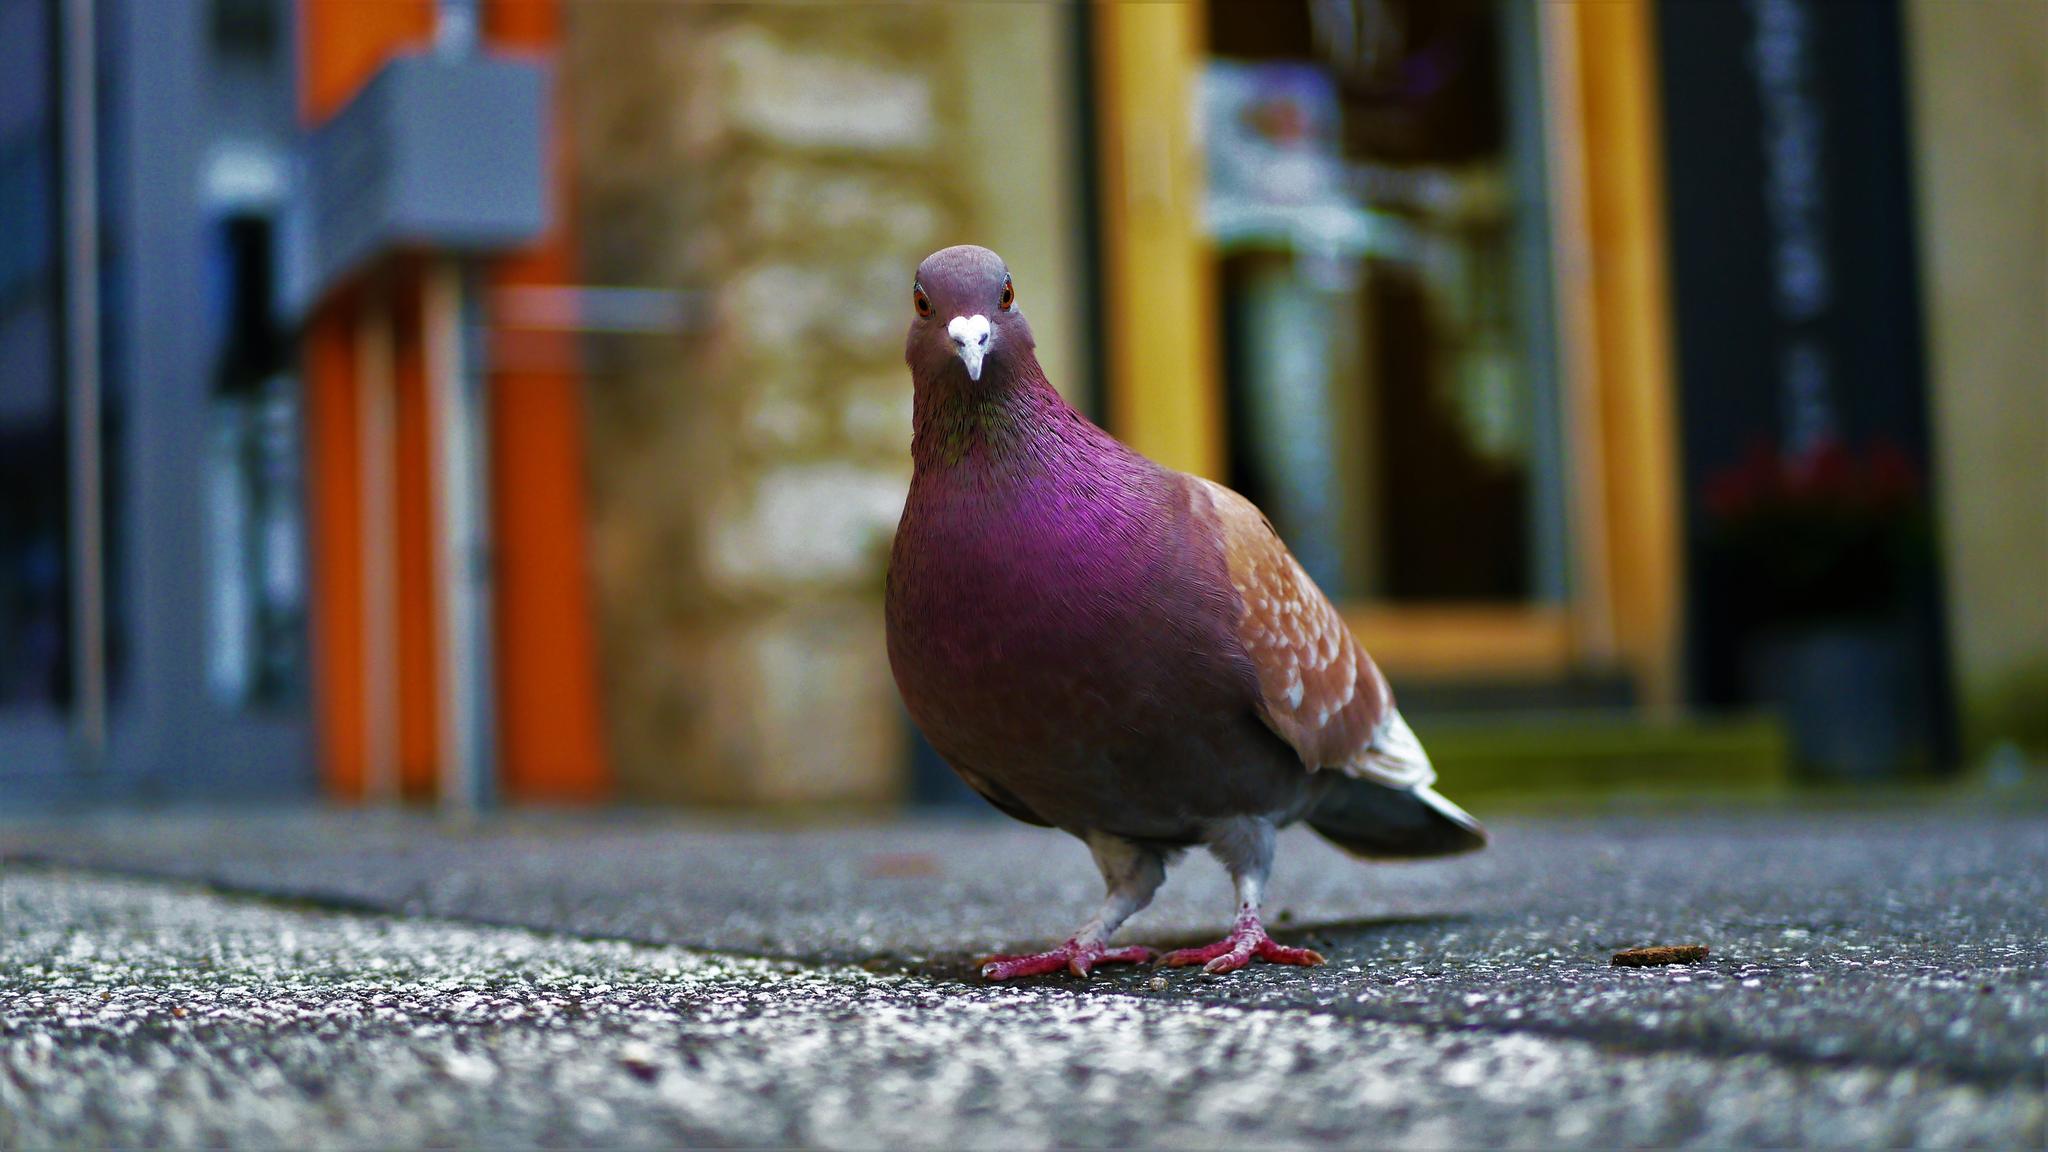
{"x":1381,"y":823}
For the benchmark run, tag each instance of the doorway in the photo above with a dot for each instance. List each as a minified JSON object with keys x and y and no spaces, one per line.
{"x":1384,"y":222}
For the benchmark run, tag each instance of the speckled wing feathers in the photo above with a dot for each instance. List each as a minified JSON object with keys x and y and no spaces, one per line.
{"x":1318,"y":689}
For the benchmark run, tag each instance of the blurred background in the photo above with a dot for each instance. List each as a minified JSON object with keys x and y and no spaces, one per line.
{"x":478,"y":401}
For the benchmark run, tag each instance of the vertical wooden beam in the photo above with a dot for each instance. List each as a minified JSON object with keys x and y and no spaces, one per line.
{"x":463,"y":665}
{"x":341,"y":44}
{"x":376,"y":487}
{"x":1579,"y":367}
{"x":1164,"y":396}
{"x":421,"y":740}
{"x":1618,"y":308}
{"x":372,"y":477}
{"x":335,"y":515}
{"x":550,"y":724}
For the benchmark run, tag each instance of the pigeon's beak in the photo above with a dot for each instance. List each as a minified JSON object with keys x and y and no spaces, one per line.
{"x":970,"y":339}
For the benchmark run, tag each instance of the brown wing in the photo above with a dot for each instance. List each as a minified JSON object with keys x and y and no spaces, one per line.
{"x":1318,"y":689}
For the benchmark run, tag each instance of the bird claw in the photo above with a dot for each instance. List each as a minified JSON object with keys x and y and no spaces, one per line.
{"x":1073,"y":956}
{"x":1248,"y":942}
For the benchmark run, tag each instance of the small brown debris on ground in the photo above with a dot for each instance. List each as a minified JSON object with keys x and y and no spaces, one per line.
{"x":900,"y":865}
{"x":1666,"y":954}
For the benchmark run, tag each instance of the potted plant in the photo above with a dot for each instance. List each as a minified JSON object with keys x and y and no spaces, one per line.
{"x":1821,"y":551}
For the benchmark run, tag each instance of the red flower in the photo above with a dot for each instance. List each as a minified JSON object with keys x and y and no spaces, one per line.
{"x":1826,"y":474}
{"x":1890,"y":475}
{"x":1826,"y":480}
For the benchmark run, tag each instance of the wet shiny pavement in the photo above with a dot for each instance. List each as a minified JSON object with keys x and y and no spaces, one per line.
{"x":1873,"y":979}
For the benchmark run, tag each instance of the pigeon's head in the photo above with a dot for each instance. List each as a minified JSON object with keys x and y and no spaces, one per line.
{"x":964,"y":315}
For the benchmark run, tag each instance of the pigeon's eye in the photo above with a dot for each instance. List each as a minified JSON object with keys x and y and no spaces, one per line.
{"x":922,"y":301}
{"x":1009,"y":296}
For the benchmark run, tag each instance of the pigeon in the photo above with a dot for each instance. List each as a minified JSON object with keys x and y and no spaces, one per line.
{"x":1105,"y":646}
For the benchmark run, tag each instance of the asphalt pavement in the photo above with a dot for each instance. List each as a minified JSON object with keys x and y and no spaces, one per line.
{"x":1873,"y":979}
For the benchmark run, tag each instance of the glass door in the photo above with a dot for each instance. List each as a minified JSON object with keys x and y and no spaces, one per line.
{"x":1377,"y":209}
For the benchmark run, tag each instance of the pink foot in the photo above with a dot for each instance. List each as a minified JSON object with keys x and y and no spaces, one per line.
{"x":1246,"y":942}
{"x":1074,"y":956}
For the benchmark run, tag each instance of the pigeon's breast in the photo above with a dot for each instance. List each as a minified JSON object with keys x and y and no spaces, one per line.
{"x":995,"y":590}
{"x":1069,"y":642}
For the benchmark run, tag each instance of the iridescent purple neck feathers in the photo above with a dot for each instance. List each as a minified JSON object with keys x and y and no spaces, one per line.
{"x":1009,"y":418}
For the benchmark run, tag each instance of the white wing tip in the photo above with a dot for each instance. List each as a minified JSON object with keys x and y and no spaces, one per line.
{"x":1450,"y":811}
{"x":1396,"y":747}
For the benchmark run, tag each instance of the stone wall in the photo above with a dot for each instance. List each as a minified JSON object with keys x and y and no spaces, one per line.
{"x":787,"y":166}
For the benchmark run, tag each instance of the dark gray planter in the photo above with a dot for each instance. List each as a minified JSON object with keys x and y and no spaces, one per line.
{"x":1849,"y":694}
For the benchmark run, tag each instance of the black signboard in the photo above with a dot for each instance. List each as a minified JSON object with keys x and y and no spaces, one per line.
{"x":1802,"y":376}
